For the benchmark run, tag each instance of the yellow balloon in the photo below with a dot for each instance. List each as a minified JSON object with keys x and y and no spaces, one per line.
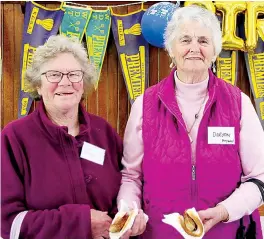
{"x":229,"y":11}
{"x":207,"y":4}
{"x":260,"y":28}
{"x":253,"y":10}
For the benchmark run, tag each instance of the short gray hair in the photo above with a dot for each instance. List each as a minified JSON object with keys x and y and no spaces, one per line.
{"x":54,"y":46}
{"x":193,"y":13}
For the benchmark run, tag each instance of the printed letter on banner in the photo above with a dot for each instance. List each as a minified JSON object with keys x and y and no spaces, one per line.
{"x":97,"y":34}
{"x":133,"y":52}
{"x":227,"y":63}
{"x":75,"y":21}
{"x":39,"y":24}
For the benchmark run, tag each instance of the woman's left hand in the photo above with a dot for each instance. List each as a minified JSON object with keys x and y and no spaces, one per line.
{"x":211,"y":216}
{"x":138,"y":227}
{"x":127,"y":234}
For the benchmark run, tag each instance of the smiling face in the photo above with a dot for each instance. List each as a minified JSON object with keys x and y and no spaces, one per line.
{"x":65,"y":95}
{"x":193,"y":48}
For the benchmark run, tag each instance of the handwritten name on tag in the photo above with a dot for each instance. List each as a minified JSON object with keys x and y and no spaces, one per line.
{"x":221,"y":135}
{"x":93,"y":153}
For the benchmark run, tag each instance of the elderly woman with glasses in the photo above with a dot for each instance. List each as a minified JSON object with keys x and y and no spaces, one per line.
{"x":192,"y":140}
{"x":60,"y":165}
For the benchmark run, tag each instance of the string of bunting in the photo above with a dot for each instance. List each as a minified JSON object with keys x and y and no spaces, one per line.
{"x":242,"y":26}
{"x":105,"y":6}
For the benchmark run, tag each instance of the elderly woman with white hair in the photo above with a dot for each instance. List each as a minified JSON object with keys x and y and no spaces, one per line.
{"x":60,"y":165}
{"x":192,"y":140}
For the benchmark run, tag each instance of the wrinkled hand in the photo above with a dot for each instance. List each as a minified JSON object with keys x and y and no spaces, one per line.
{"x":211,"y":216}
{"x":100,"y":223}
{"x":127,"y":234}
{"x":138,"y":227}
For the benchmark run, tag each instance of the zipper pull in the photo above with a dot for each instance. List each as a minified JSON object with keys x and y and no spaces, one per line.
{"x":193,"y":172}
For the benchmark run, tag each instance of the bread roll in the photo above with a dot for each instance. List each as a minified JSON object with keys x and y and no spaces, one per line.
{"x":119,"y":223}
{"x":191,"y":223}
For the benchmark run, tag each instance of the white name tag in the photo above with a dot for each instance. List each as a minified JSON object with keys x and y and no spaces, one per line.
{"x":221,"y":135}
{"x":93,"y":153}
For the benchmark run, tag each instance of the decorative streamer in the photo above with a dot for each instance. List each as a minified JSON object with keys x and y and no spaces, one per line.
{"x":133,"y":52}
{"x":39,"y":24}
{"x":97,"y":34}
{"x":75,"y":21}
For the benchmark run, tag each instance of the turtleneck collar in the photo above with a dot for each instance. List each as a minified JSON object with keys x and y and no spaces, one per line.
{"x":190,"y":91}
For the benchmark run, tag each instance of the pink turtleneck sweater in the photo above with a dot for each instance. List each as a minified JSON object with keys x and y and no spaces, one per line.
{"x":190,"y":97}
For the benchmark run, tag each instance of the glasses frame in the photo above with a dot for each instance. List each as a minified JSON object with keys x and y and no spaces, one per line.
{"x":63,"y":74}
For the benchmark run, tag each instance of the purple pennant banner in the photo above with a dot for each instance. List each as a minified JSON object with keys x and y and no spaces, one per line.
{"x":39,"y":24}
{"x":133,"y":52}
{"x":255,"y":69}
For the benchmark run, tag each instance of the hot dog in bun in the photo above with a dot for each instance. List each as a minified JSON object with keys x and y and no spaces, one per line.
{"x":121,"y":221}
{"x":191,"y":223}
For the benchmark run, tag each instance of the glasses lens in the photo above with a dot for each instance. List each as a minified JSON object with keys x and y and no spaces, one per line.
{"x":75,"y":76}
{"x":53,"y":76}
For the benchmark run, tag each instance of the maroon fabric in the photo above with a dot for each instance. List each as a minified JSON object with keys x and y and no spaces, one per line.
{"x":167,"y":165}
{"x":42,"y":172}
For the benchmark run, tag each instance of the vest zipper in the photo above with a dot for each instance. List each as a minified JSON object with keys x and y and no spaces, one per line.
{"x":193,"y":161}
{"x":193,"y":169}
{"x":194,"y":184}
{"x":193,"y":172}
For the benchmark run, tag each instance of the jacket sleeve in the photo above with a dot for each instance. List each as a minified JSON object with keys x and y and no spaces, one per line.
{"x":132,"y":176}
{"x":247,"y":198}
{"x":67,"y":221}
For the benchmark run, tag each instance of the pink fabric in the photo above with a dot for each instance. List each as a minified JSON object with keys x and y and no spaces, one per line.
{"x":244,"y":199}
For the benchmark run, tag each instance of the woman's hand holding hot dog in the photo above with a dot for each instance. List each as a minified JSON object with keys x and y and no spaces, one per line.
{"x":138,"y":227}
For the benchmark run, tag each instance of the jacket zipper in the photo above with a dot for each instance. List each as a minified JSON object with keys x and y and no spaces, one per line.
{"x":68,"y":166}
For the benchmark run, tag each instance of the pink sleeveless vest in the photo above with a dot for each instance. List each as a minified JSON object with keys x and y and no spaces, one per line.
{"x":173,"y":181}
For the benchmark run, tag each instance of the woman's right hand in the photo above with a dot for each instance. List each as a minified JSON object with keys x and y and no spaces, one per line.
{"x":100,"y":223}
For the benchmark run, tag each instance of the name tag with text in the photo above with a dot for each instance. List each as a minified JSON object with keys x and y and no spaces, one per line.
{"x":221,"y":135}
{"x":93,"y":153}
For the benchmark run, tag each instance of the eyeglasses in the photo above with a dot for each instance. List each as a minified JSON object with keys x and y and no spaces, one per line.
{"x":56,"y":76}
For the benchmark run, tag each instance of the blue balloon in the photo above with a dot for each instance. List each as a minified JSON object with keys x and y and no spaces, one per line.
{"x":155,"y":20}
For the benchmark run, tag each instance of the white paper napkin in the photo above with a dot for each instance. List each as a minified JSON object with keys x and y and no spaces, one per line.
{"x":173,"y":219}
